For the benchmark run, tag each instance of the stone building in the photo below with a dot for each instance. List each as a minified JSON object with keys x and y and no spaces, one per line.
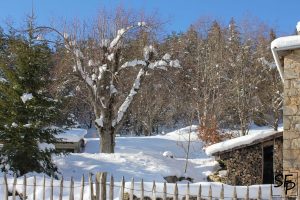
{"x":251,"y":159}
{"x":286,"y":52}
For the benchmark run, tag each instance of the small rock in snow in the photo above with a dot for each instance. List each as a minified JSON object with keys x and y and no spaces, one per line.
{"x":168,"y":154}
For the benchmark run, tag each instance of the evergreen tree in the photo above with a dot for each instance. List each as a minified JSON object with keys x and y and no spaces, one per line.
{"x":27,"y":110}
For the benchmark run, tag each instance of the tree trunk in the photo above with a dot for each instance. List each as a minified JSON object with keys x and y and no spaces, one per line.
{"x":107,"y":140}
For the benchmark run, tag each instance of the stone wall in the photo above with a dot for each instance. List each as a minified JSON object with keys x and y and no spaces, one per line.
{"x":245,"y":165}
{"x":291,"y":111}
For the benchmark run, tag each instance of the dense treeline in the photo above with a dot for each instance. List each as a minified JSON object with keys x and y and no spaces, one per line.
{"x":226,"y":79}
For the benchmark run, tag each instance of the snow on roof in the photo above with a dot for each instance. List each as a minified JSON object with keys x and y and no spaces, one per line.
{"x":239,"y":141}
{"x":72,"y":135}
{"x":288,"y":42}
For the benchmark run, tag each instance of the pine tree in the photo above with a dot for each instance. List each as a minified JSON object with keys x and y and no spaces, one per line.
{"x":27,"y":111}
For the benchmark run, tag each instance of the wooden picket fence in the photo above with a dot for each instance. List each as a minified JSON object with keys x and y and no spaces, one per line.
{"x":102,"y":190}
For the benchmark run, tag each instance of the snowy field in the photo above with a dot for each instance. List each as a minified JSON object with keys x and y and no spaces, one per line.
{"x":147,"y":158}
{"x":141,"y":158}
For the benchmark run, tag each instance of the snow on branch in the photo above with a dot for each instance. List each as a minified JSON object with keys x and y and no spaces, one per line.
{"x":122,"y":31}
{"x":133,"y":63}
{"x":71,"y":46}
{"x":271,"y":65}
{"x":123,"y":108}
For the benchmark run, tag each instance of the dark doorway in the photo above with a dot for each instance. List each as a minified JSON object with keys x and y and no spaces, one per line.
{"x":268,"y":172}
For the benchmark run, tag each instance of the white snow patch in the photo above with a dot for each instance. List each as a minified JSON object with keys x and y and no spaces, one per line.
{"x":14,"y":125}
{"x":72,"y":135}
{"x":167,"y":57}
{"x":298,"y":27}
{"x":110,"y":57}
{"x":99,"y":121}
{"x":26,"y":97}
{"x":45,"y":146}
{"x":288,"y":42}
{"x":175,"y":63}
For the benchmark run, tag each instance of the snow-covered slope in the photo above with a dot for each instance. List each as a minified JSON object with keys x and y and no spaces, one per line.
{"x":141,"y":157}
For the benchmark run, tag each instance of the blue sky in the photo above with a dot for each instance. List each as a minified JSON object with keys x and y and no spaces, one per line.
{"x":179,"y":14}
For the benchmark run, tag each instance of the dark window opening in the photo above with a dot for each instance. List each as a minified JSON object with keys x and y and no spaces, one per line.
{"x":268,"y":171}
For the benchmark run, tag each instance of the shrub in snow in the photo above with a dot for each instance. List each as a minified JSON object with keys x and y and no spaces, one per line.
{"x":168,"y":154}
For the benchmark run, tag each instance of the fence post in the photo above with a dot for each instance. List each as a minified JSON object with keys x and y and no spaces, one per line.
{"x":154,"y":191}
{"x":142,"y":189}
{"x":51,"y":190}
{"x":91,"y":187}
{"x":234,"y":193}
{"x":111,"y":188}
{"x":271,"y":192}
{"x":61,"y":188}
{"x":187,"y":195}
{"x":165,"y":191}
{"x":131,"y":189}
{"x":14,"y":187}
{"x":122,"y":188}
{"x":44,"y":187}
{"x":247,"y":193}
{"x":199,"y":193}
{"x":34,"y":187}
{"x":71,"y":196}
{"x":82,"y":187}
{"x":259,"y":193}
{"x":103,"y":186}
{"x":210,"y":193}
{"x":175,"y":192}
{"x":222,"y":193}
{"x":24,"y":187}
{"x":97,"y":180}
{"x":5,"y":187}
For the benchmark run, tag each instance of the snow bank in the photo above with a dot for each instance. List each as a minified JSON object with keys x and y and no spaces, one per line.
{"x":72,"y":135}
{"x":236,"y":142}
{"x":288,"y":42}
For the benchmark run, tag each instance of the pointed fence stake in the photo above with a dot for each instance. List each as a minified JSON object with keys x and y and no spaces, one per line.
{"x":103,"y":185}
{"x":25,"y":187}
{"x":5,"y":187}
{"x":131,"y":189}
{"x":165,"y":191}
{"x":14,"y":187}
{"x":154,"y":191}
{"x":199,"y":193}
{"x":111,"y":188}
{"x":71,"y":195}
{"x":44,"y":188}
{"x":187,"y":195}
{"x":34,"y":188}
{"x":122,"y":188}
{"x":259,"y":193}
{"x":210,"y":193}
{"x":51,"y":187}
{"x":222,"y":193}
{"x":234,"y":193}
{"x":61,"y":188}
{"x":247,"y":193}
{"x":82,"y":188}
{"x":142,"y":189}
{"x":175,"y":197}
{"x":91,"y":187}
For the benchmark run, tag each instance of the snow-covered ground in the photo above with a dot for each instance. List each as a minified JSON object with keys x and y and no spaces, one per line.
{"x":147,"y":158}
{"x":141,"y":158}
